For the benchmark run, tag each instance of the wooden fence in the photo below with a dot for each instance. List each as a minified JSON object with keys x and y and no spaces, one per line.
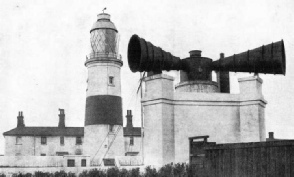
{"x":274,"y":159}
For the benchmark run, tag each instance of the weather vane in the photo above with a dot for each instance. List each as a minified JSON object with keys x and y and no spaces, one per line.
{"x":104,"y":9}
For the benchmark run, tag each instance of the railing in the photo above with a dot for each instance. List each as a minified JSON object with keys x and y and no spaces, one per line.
{"x":101,"y":55}
{"x":129,"y":160}
{"x":95,"y":162}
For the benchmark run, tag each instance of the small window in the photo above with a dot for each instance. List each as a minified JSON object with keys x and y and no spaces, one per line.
{"x":78,"y":152}
{"x":84,"y":162}
{"x":79,"y":140}
{"x":43,"y":140}
{"x":111,"y":80}
{"x":111,"y":128}
{"x":62,"y":140}
{"x":70,"y":163}
{"x":18,"y":140}
{"x":132,"y":141}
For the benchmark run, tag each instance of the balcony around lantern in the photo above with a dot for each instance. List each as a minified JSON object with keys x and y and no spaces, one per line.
{"x":103,"y":55}
{"x":99,"y":56}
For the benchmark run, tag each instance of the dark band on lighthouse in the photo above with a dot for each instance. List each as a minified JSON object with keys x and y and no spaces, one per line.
{"x":104,"y":109}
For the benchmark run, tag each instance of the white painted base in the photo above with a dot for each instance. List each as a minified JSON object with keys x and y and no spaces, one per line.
{"x":97,"y":141}
{"x":170,"y":118}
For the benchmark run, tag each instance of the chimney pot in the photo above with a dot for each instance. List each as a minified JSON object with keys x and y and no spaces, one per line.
{"x":271,"y":135}
{"x":20,"y":121}
{"x":61,"y":115}
{"x":222,"y":55}
{"x":195,"y":53}
{"x":129,"y":118}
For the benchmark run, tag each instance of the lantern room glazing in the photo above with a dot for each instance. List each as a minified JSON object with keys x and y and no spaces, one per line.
{"x":104,"y":38}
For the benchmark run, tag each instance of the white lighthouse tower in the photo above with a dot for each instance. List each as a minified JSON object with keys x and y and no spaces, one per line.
{"x":103,"y":133}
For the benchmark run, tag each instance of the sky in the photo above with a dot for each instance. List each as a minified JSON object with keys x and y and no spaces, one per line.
{"x":43,"y":47}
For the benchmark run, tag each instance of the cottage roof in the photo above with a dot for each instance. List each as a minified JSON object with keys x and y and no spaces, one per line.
{"x":45,"y":131}
{"x":57,"y":131}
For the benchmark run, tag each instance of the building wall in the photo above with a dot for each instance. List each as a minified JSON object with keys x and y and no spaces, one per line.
{"x":98,"y":78}
{"x":170,"y":118}
{"x":199,"y":114}
{"x":31,"y":161}
{"x":252,"y":104}
{"x":31,"y":146}
{"x":158,"y":120}
{"x":98,"y":139}
{"x":136,"y":147}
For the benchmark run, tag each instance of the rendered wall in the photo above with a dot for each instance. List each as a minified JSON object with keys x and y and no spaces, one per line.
{"x":198,"y":114}
{"x":170,"y":118}
{"x":97,"y":141}
{"x":136,"y":147}
{"x":31,"y":146}
{"x":31,"y":161}
{"x":252,"y":105}
{"x":98,"y":75}
{"x":97,"y":136}
{"x":158,"y":120}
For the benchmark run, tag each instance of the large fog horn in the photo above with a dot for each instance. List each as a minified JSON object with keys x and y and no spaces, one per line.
{"x":144,"y":56}
{"x":268,"y":59}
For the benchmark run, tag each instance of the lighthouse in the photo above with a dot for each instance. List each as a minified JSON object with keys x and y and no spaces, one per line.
{"x":103,"y":132}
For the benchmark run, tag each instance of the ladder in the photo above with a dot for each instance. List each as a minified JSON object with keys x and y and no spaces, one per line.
{"x":109,"y":134}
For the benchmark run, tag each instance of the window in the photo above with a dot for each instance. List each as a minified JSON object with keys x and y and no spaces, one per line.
{"x":70,"y":163}
{"x":79,"y":140}
{"x":111,"y":80}
{"x":43,"y":154}
{"x":84,"y":162}
{"x":62,"y":140}
{"x":78,"y":152}
{"x":111,"y":128}
{"x":61,"y":153}
{"x":18,"y":140}
{"x":132,"y":141}
{"x":43,"y":140}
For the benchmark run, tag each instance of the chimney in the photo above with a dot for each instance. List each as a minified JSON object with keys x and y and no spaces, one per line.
{"x":129,"y":118}
{"x":20,"y":122}
{"x":61,"y":115}
{"x":271,"y":135}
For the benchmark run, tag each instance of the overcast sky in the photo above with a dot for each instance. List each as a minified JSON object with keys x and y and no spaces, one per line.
{"x":43,"y":47}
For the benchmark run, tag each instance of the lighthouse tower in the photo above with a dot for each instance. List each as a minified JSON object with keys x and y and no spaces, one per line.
{"x":103,"y":132}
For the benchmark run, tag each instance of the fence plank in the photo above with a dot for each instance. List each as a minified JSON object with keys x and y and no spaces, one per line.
{"x":292,"y":161}
{"x":287,"y":161}
{"x":250,"y":159}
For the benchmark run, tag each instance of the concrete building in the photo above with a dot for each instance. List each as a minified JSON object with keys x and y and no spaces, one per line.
{"x":171,"y":116}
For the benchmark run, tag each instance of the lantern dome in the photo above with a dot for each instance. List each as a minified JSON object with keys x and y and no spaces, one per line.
{"x":103,"y":22}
